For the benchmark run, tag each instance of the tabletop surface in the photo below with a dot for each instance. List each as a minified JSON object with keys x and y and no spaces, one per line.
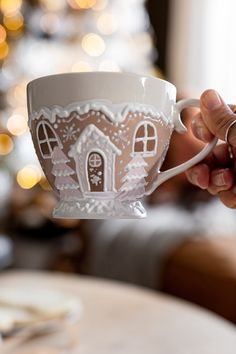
{"x":123,"y":319}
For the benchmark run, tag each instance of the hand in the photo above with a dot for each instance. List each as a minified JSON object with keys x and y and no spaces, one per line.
{"x":216,"y":172}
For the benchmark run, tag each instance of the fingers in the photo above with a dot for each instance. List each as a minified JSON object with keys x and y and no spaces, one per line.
{"x":229,"y":198}
{"x":217,"y":116}
{"x":220,"y":180}
{"x":214,"y":181}
{"x":216,"y":173}
{"x":199,"y":175}
{"x":200,"y":129}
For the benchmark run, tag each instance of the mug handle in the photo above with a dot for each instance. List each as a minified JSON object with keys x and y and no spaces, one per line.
{"x":180,"y":128}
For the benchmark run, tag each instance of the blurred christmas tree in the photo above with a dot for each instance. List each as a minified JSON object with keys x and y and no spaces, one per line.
{"x":42,"y":37}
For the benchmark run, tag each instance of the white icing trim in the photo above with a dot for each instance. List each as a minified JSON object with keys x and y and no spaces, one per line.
{"x":114,"y":112}
{"x":85,"y":135}
{"x":93,"y":139}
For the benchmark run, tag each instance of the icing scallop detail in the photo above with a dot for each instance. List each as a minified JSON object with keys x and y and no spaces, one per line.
{"x":116,"y":113}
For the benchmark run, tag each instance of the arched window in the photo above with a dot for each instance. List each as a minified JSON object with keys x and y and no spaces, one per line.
{"x":47,"y":139}
{"x":145,"y":139}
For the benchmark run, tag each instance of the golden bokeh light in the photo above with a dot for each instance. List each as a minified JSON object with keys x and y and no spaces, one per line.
{"x":81,"y":66}
{"x":9,"y":7}
{"x":21,"y":110}
{"x":4,"y":50}
{"x":3,"y":34}
{"x":82,"y":4}
{"x":107,"y":23}
{"x":109,"y":65}
{"x":19,"y":93}
{"x":28,"y":176}
{"x":53,"y":5}
{"x":14,"y":22}
{"x":17,"y":125}
{"x":100,"y":5}
{"x":45,"y":184}
{"x":6,"y":144}
{"x":93,"y":44}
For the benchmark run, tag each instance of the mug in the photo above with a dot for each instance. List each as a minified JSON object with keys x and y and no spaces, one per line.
{"x":101,"y":139}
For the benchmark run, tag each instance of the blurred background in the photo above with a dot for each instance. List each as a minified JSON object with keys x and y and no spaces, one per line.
{"x":186,"y":246}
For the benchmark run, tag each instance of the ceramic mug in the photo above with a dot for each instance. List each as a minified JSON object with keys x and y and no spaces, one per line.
{"x":101,"y":139}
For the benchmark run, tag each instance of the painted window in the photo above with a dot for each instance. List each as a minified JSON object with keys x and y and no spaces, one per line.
{"x":145,"y":141}
{"x":47,"y":139}
{"x":95,"y":160}
{"x":95,"y":168}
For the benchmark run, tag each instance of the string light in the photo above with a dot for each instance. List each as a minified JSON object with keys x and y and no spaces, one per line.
{"x":28,"y":176}
{"x":81,"y":66}
{"x":6,"y":144}
{"x":3,"y":34}
{"x":9,"y":7}
{"x":93,"y":44}
{"x":107,"y":24}
{"x":17,"y":124}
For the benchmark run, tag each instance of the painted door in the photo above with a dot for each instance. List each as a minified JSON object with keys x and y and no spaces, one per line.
{"x":95,"y":168}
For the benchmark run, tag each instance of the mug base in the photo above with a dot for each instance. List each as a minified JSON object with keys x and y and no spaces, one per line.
{"x":99,"y":209}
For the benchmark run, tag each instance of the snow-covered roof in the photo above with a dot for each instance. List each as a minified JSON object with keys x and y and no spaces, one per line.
{"x":114,"y":112}
{"x":91,"y":134}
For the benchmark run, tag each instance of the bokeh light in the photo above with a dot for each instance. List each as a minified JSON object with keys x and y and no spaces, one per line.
{"x":17,"y":124}
{"x":100,"y":5}
{"x":109,"y":65}
{"x":44,"y":183}
{"x":82,"y":4}
{"x":3,"y":34}
{"x":93,"y":44}
{"x":28,"y":176}
{"x":107,"y":23}
{"x":14,"y":22}
{"x":50,"y":23}
{"x":81,"y":66}
{"x":9,"y":7}
{"x":4,"y":50}
{"x":19,"y":93}
{"x":53,"y":5}
{"x":6,"y":144}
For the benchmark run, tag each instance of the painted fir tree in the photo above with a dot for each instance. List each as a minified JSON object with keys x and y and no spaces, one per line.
{"x":134,"y":182}
{"x":69,"y":189}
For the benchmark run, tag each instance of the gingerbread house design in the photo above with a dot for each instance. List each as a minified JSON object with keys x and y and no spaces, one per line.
{"x":100,"y":157}
{"x":95,"y":156}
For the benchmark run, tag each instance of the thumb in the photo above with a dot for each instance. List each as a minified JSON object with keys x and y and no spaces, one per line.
{"x":218,"y":116}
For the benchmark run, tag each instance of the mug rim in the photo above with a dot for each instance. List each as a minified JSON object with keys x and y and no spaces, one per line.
{"x":93,"y":73}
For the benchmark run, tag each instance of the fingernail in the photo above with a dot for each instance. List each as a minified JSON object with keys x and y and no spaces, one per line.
{"x":211,"y":100}
{"x":194,"y":178}
{"x":219,"y":179}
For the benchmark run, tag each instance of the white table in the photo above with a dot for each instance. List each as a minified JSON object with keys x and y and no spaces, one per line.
{"x":124,"y":319}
